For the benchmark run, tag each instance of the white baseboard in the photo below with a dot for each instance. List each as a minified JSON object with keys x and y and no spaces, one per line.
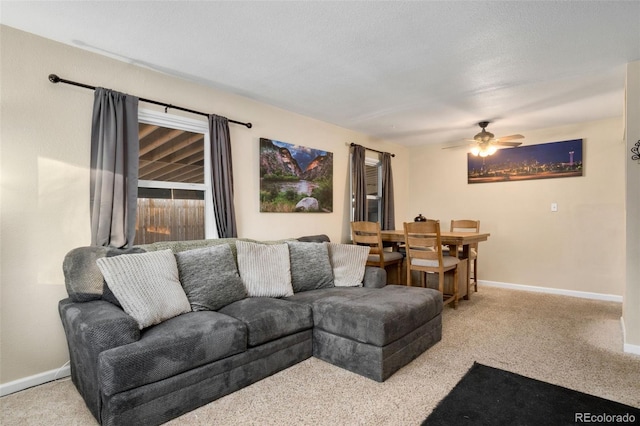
{"x":573,"y":293}
{"x":35,"y":380}
{"x":628,"y":348}
{"x":631,"y":349}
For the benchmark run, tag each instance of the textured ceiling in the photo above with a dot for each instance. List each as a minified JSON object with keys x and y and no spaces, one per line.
{"x":410,"y":72}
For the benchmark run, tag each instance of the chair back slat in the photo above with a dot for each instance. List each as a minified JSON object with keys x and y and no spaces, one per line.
{"x":368,"y":233}
{"x":466,"y":225}
{"x":423,"y":240}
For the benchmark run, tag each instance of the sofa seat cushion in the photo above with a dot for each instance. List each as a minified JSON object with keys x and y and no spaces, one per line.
{"x":380,"y":316}
{"x":174,"y":346}
{"x":339,"y":293}
{"x":268,"y":319}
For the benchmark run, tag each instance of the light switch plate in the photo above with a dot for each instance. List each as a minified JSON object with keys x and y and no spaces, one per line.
{"x":554,"y":207}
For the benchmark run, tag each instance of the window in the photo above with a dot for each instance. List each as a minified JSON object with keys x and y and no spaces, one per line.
{"x":174,"y":179}
{"x":373,"y":170}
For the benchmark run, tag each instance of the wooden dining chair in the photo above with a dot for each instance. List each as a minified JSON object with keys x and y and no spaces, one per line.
{"x":368,"y":233}
{"x":424,"y":254}
{"x":466,"y":225}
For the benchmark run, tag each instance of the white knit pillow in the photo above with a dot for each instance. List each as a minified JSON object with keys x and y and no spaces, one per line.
{"x":265,"y":269}
{"x":146,"y":285}
{"x":348,"y":262}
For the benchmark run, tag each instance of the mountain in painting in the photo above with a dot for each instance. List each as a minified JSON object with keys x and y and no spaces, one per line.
{"x":319,"y":168}
{"x":277,"y":161}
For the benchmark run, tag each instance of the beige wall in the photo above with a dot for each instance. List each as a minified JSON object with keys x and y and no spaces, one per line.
{"x":45,"y":179}
{"x":631,"y":311}
{"x":578,"y":248}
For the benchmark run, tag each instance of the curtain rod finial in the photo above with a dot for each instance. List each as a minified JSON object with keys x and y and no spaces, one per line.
{"x":54,"y":78}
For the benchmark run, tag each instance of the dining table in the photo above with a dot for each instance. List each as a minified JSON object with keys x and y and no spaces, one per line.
{"x":458,"y":243}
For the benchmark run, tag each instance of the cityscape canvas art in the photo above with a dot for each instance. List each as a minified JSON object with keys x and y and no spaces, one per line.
{"x":543,"y":161}
{"x":295,"y":178}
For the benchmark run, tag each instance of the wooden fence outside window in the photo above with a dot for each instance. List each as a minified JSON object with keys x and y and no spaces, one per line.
{"x":169,"y":220}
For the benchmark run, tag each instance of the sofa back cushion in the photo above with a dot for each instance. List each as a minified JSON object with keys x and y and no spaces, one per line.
{"x":147,"y":285}
{"x":210,"y":277}
{"x":310,"y":266}
{"x":82,"y":277}
{"x":265,"y":269}
{"x":320,"y":238}
{"x":179,"y":246}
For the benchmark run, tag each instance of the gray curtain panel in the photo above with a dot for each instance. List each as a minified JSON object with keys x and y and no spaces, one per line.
{"x":222,"y":179}
{"x":114,"y":168}
{"x":359,"y":182}
{"x":388,"y":205}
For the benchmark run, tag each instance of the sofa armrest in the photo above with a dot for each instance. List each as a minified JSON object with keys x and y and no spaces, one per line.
{"x":374,"y":277}
{"x":99,"y":324}
{"x":91,"y":328}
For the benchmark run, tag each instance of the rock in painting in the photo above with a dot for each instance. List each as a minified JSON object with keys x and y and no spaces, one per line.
{"x":307,"y":204}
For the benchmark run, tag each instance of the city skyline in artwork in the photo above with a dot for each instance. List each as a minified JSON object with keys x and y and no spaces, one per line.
{"x":542,"y":161}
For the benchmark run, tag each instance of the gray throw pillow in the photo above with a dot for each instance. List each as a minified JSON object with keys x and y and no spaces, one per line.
{"x":348,"y":262}
{"x":310,"y":266}
{"x":265,"y":269}
{"x":147,"y":285}
{"x":210,"y":277}
{"x":107,"y":294}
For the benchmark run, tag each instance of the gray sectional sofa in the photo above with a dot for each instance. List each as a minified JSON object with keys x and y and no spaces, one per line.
{"x":129,"y":372}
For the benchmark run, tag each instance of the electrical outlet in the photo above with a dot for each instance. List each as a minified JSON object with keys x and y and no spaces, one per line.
{"x":554,"y":207}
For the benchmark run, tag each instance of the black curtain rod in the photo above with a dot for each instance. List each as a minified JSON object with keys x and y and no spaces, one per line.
{"x":374,"y":150}
{"x":55,"y":79}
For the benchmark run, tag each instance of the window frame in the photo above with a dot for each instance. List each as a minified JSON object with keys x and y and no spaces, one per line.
{"x":195,"y":126}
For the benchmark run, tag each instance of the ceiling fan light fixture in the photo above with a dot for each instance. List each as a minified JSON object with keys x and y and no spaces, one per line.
{"x":486,"y":144}
{"x":483,"y":151}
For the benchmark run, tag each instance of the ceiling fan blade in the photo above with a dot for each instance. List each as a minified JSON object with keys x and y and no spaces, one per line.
{"x":503,"y":143}
{"x":457,"y":145}
{"x":509,"y":138}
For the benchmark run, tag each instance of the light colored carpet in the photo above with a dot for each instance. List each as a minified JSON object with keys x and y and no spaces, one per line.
{"x":571,"y":342}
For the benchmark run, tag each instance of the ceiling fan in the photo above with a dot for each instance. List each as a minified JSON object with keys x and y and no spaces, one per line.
{"x":486,"y":143}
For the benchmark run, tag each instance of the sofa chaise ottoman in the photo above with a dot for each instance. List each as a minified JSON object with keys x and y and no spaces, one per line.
{"x":240,"y":311}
